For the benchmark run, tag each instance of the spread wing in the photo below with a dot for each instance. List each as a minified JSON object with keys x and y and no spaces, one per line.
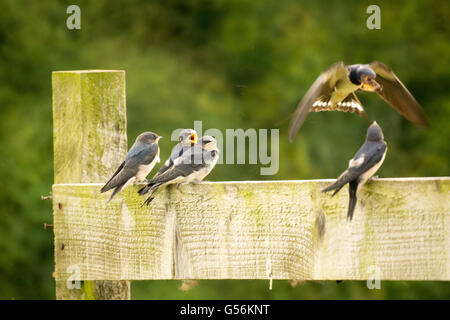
{"x":323,"y":86}
{"x":395,"y":93}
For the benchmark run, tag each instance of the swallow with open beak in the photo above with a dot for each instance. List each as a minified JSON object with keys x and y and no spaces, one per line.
{"x":186,"y":140}
{"x":362,"y":167}
{"x":334,"y":90}
{"x":139,"y":161}
{"x":193,"y":166}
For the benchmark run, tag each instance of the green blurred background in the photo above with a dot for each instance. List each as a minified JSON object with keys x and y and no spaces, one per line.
{"x":233,"y":64}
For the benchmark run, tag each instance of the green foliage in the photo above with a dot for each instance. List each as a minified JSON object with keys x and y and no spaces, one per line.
{"x":233,"y":64}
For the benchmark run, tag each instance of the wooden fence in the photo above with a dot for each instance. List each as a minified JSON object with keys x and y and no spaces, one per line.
{"x":222,"y":230}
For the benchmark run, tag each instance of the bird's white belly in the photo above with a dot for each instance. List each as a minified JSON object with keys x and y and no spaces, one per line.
{"x":144,"y":170}
{"x":199,"y":175}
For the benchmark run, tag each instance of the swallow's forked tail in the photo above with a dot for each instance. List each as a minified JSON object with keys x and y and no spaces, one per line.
{"x":116,"y":191}
{"x":337,"y":186}
{"x":152,"y":187}
{"x":143,"y":190}
{"x":146,"y":188}
{"x":352,"y":188}
{"x":148,"y":200}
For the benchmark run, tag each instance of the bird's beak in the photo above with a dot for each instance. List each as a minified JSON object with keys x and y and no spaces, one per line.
{"x":159,"y":137}
{"x":370,"y":85}
{"x":193,"y":138}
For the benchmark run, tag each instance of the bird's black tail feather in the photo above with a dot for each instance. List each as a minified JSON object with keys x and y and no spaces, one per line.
{"x":152,"y":187}
{"x":143,"y":190}
{"x":353,"y":186}
{"x":106,"y":187}
{"x":151,"y":196}
{"x":148,"y":201}
{"x":147,"y":188}
{"x":116,"y":191}
{"x":337,"y":186}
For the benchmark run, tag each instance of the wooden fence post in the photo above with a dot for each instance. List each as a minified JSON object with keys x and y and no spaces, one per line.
{"x":90,"y":140}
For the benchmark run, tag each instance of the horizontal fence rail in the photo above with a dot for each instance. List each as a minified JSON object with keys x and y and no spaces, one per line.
{"x":255,"y":230}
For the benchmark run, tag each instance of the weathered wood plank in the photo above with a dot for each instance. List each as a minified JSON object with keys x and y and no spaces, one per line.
{"x":234,"y":230}
{"x":89,"y":137}
{"x":89,"y":124}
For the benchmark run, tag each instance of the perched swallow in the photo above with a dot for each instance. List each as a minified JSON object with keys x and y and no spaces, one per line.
{"x":362,"y":167}
{"x":334,"y":90}
{"x":138,"y":163}
{"x":187,"y":139}
{"x":193,"y":166}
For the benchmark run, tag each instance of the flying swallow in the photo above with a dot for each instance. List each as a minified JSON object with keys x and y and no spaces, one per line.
{"x":193,"y":166}
{"x":139,"y":161}
{"x":362,"y":167}
{"x":334,"y":90}
{"x":186,"y":139}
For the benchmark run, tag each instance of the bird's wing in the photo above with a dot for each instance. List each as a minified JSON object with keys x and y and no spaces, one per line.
{"x":135,"y":149}
{"x":143,"y":157}
{"x":107,"y":185}
{"x":323,"y":86}
{"x":131,"y":167}
{"x":189,"y":163}
{"x":394,"y":92}
{"x":172,"y":174}
{"x":176,"y":153}
{"x":367,"y":156}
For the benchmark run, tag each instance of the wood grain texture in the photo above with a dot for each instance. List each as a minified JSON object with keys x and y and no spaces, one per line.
{"x":90,"y":141}
{"x":236,"y":230}
{"x":89,"y":124}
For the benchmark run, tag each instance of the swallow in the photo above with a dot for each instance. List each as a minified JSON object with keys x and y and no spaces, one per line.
{"x":362,"y":167}
{"x":334,"y":90}
{"x":139,"y":161}
{"x":193,"y":166}
{"x":186,"y":139}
